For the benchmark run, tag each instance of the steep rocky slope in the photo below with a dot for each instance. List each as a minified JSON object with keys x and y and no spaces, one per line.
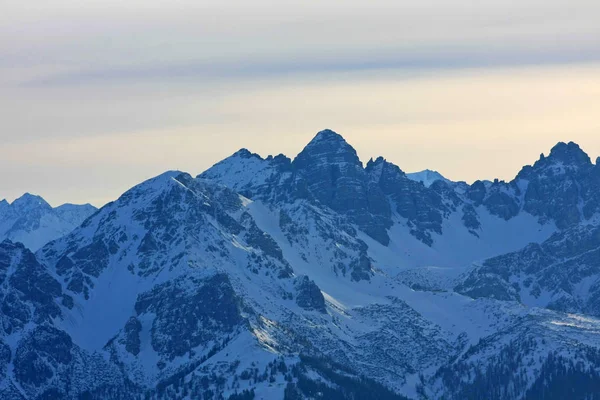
{"x":316,"y":277}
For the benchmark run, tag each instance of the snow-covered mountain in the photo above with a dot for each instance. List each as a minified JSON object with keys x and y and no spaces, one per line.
{"x":33,"y":222}
{"x":316,"y":277}
{"x":427,"y":177}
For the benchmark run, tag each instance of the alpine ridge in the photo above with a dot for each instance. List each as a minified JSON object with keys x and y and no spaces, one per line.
{"x":33,"y":222}
{"x":314,"y":277}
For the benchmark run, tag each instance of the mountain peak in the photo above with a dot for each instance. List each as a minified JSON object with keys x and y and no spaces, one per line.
{"x":245,"y":153}
{"x":563,"y":156}
{"x":376,"y":167}
{"x":569,"y":153}
{"x":4,"y":206}
{"x":333,"y":172}
{"x":331,"y":139}
{"x":30,"y":201}
{"x":328,"y":134}
{"x":427,"y":177}
{"x":372,"y":163}
{"x":327,"y":147}
{"x":33,"y":222}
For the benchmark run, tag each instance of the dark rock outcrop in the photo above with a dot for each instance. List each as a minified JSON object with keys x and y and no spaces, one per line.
{"x":190,"y":313}
{"x":309,"y":296}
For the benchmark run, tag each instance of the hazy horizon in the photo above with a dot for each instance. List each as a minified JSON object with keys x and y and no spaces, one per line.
{"x":99,"y":96}
{"x":362,"y":158}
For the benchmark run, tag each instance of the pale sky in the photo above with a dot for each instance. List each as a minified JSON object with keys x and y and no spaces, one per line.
{"x":97,"y":96}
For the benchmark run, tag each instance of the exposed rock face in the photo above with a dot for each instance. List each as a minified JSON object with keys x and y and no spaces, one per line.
{"x":44,"y":349}
{"x":333,"y":173}
{"x":501,"y":200}
{"x":559,"y":188}
{"x":329,"y":173}
{"x":562,"y":186}
{"x":330,"y":170}
{"x":563,"y":273}
{"x":36,"y":356}
{"x":132,"y":339}
{"x":190,"y":313}
{"x":309,"y":295}
{"x":272,"y":278}
{"x":421,"y":206}
{"x":29,"y":293}
{"x":5,"y":358}
{"x":470,"y":218}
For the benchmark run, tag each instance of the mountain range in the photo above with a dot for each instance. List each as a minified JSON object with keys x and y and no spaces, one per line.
{"x":33,"y":222}
{"x":314,"y":277}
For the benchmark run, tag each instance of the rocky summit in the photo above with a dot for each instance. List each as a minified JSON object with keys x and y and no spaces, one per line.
{"x":33,"y":222}
{"x":307,"y":278}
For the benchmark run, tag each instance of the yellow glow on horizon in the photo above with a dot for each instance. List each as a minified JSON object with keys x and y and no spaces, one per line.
{"x":468,"y":125}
